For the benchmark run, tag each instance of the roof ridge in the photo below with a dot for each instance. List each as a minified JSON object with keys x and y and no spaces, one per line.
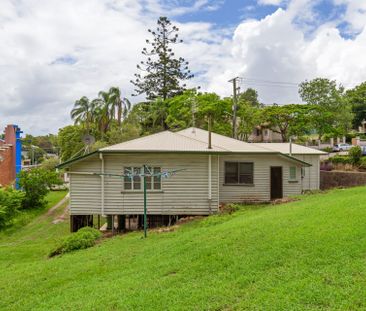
{"x":226,"y":137}
{"x":139,"y":138}
{"x":201,"y":141}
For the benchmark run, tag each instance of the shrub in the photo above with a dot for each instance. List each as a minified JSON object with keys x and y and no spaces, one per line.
{"x":355,"y":154}
{"x":10,"y":203}
{"x":82,"y":239}
{"x":338,"y":159}
{"x":36,"y":183}
{"x":362,"y":164}
{"x":328,"y":149}
{"x":50,"y":163}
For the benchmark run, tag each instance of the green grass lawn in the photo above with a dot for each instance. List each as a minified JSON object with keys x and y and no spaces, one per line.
{"x":304,"y":255}
{"x":24,"y":217}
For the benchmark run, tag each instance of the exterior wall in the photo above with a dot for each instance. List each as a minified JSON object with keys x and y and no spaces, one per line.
{"x":7,"y":166}
{"x":8,"y":154}
{"x":266,"y":135}
{"x":186,"y":192}
{"x":311,"y":180}
{"x":260,"y":191}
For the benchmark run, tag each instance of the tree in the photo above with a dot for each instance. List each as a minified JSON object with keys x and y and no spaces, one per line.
{"x":334,"y":114}
{"x":36,"y":183}
{"x":82,"y":113}
{"x":249,"y":96}
{"x":70,"y":141}
{"x":162,"y":71}
{"x":122,"y":105}
{"x":249,"y":117}
{"x":193,"y":109}
{"x":289,"y":120}
{"x":356,"y":97}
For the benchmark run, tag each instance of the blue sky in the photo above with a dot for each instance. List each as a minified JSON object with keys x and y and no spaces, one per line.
{"x":54,"y":52}
{"x":229,"y":13}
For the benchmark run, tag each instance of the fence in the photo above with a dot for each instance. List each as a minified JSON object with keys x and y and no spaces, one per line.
{"x":334,"y":179}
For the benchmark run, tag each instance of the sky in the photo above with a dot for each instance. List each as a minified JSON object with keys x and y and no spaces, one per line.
{"x":54,"y":52}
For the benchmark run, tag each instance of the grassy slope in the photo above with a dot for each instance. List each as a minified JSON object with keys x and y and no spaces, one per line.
{"x":303,"y":255}
{"x":26,"y":216}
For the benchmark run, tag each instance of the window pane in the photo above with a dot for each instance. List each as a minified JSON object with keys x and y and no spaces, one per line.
{"x":246,"y":168}
{"x":148,"y":178}
{"x":137,"y":179}
{"x":293,"y":172}
{"x":157,"y":179}
{"x":231,"y":173}
{"x":246,"y":179}
{"x":245,"y":173}
{"x":127,"y":181}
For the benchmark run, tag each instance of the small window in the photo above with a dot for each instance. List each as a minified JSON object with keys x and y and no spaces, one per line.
{"x":157,"y":179}
{"x":238,"y":173}
{"x":127,"y":181}
{"x":136,"y":182}
{"x":292,"y":173}
{"x":302,"y":172}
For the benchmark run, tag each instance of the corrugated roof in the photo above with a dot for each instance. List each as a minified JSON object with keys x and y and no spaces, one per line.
{"x":285,"y":148}
{"x":163,"y":142}
{"x":221,"y":141}
{"x":190,"y":140}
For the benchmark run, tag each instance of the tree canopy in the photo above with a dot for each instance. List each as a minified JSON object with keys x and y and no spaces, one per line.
{"x":161,"y":73}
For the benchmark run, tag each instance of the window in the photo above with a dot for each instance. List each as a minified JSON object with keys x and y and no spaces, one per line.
{"x":238,"y":173}
{"x":292,"y":173}
{"x":136,"y":182}
{"x":302,"y":172}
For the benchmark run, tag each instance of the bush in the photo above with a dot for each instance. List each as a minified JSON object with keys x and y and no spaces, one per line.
{"x":362,"y":164}
{"x":338,"y":159}
{"x":82,"y":239}
{"x":10,"y":202}
{"x":355,"y":154}
{"x":327,"y":149}
{"x":50,"y":163}
{"x":36,"y":183}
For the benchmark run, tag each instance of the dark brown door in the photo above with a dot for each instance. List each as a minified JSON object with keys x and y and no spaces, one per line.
{"x":276,"y":182}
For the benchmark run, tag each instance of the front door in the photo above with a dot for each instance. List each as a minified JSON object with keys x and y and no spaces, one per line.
{"x":276,"y":182}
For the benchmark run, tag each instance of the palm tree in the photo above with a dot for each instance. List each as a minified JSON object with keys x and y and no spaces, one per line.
{"x":117,"y":103}
{"x":82,"y":112}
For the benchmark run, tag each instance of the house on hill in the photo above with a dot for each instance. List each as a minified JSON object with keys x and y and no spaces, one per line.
{"x":10,"y":155}
{"x":227,"y":171}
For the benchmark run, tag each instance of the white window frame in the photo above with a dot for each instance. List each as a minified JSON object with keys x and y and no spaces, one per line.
{"x":132,"y":180}
{"x":290,"y":177}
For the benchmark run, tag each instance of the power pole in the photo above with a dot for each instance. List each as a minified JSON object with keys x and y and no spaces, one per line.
{"x":235,"y":104}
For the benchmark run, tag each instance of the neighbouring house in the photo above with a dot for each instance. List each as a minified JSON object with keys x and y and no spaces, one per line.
{"x":229,"y":171}
{"x":10,"y":155}
{"x":262,"y":133}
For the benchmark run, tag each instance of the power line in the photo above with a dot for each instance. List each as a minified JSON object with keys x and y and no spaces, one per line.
{"x":266,"y":83}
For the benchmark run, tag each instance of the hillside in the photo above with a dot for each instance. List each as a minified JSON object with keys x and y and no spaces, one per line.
{"x":309,"y":254}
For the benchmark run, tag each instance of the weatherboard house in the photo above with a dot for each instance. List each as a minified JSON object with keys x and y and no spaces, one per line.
{"x":211,"y":169}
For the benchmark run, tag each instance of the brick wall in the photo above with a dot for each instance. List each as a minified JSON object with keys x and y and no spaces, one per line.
{"x":7,"y":154}
{"x":334,"y":179}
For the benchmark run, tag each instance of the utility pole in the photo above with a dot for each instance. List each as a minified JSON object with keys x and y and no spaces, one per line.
{"x":235,"y":104}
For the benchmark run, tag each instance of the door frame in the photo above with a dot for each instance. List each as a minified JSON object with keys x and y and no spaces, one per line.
{"x":270,"y":181}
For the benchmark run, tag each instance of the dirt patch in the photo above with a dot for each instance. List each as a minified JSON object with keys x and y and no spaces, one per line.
{"x":284,"y":200}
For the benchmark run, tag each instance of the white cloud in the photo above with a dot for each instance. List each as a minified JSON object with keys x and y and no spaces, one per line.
{"x":53,"y":52}
{"x":277,"y":49}
{"x":270,"y":2}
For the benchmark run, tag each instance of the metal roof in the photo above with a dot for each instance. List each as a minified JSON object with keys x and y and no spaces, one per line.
{"x":285,"y":148}
{"x":163,"y":142}
{"x":224,"y":142}
{"x":189,"y":140}
{"x":192,"y":140}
